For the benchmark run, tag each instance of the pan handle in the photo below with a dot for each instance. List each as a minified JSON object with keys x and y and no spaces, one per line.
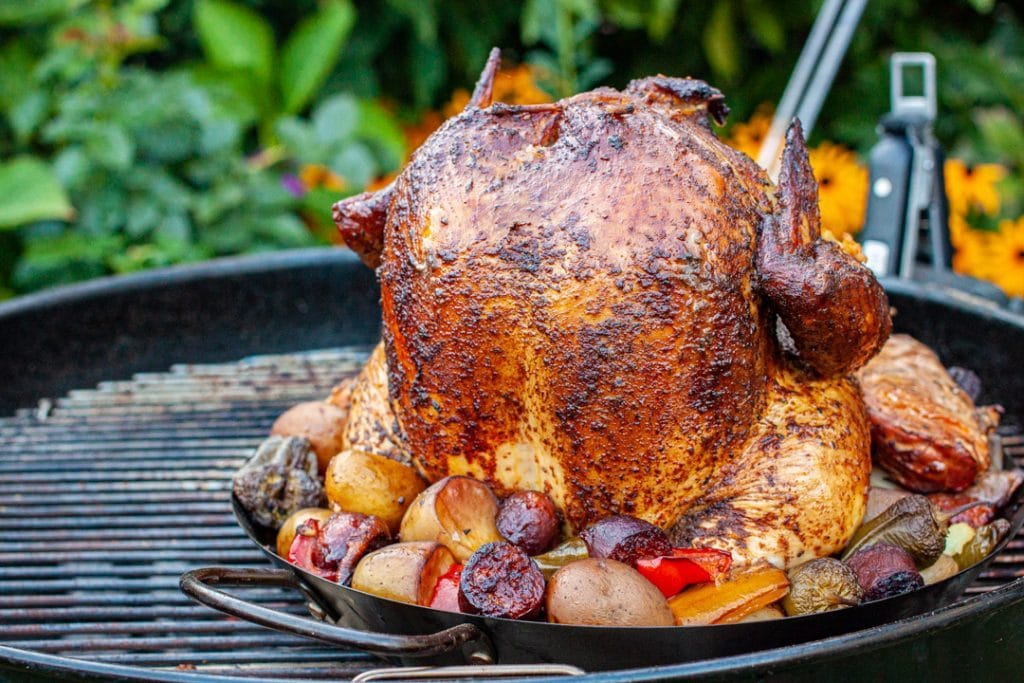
{"x":199,"y":584}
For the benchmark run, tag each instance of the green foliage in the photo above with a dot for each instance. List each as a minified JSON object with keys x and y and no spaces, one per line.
{"x":139,"y":133}
{"x":30,"y":193}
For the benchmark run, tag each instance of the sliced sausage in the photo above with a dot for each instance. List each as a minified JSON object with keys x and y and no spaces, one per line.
{"x":500,"y":580}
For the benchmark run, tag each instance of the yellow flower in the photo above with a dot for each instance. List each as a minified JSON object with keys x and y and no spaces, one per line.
{"x":313,"y":176}
{"x":747,"y":137}
{"x":973,"y":187}
{"x":1005,"y":255}
{"x":971,"y":251}
{"x":842,"y":188}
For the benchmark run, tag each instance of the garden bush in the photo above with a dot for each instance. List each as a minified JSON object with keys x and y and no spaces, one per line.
{"x":142,"y":133}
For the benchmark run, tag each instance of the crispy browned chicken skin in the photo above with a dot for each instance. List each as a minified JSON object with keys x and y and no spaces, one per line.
{"x":580,"y":298}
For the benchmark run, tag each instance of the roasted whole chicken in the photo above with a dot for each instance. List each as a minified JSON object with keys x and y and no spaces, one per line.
{"x":587,"y":298}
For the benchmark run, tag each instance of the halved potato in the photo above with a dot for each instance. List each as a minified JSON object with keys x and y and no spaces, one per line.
{"x":286,"y":534}
{"x":603,"y":592}
{"x":457,"y":512}
{"x":356,"y":481}
{"x":407,"y":572}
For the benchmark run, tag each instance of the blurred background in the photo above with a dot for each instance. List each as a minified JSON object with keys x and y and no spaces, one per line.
{"x":144,"y":133}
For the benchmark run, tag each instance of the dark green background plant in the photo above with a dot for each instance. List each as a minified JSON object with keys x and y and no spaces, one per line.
{"x":141,"y":133}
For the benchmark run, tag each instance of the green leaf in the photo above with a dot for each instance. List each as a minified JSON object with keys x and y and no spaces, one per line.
{"x":765,"y":25}
{"x":336,"y":118}
{"x":663,"y":15}
{"x":235,"y":37}
{"x":24,"y":12}
{"x":29,"y":192}
{"x":720,"y":44}
{"x":983,"y":6}
{"x":378,"y":128}
{"x":312,"y":50}
{"x":1002,"y":132}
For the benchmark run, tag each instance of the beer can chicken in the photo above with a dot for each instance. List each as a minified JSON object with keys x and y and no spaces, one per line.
{"x":586,"y":298}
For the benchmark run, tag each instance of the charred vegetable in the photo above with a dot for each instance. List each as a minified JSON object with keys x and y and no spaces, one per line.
{"x":685,"y":566}
{"x":821,"y":585}
{"x":407,"y":572}
{"x":572,"y":550}
{"x":977,"y":516}
{"x":319,"y":422}
{"x":331,"y":550}
{"x":373,"y":485}
{"x":625,"y":539}
{"x":884,"y":570}
{"x":528,"y":519}
{"x":742,"y":593}
{"x":983,"y":543}
{"x":500,"y":580}
{"x":446,"y":591}
{"x":603,"y":592}
{"x":911,"y":523}
{"x":457,"y":512}
{"x":279,"y":480}
{"x":286,"y":534}
{"x":943,"y":568}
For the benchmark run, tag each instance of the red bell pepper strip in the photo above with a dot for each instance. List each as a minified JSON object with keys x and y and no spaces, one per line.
{"x":446,"y":592}
{"x":685,"y":566}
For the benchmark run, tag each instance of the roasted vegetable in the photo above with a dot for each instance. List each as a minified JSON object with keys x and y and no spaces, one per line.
{"x":286,"y":534}
{"x":528,"y":519}
{"x":912,"y":523}
{"x":407,"y":572}
{"x":739,"y":595}
{"x":979,"y":515}
{"x":279,"y":480}
{"x":625,"y":539}
{"x":332,"y":549}
{"x":821,"y":585}
{"x":603,"y":592}
{"x":457,"y":512}
{"x":319,"y":422}
{"x":769,"y":613}
{"x":500,"y":580}
{"x":884,"y":570}
{"x":879,"y":500}
{"x":571,"y":550}
{"x":957,"y":537}
{"x":983,"y":543}
{"x":943,"y":568}
{"x":373,"y":485}
{"x":446,"y":592}
{"x":685,"y":566}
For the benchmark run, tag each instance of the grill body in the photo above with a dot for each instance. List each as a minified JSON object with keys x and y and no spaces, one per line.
{"x":107,"y":495}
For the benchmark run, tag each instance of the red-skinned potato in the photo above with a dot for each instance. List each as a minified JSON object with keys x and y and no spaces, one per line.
{"x":457,"y":512}
{"x":407,"y":572}
{"x":286,"y":534}
{"x":371,"y":484}
{"x":603,"y":592}
{"x":322,"y":423}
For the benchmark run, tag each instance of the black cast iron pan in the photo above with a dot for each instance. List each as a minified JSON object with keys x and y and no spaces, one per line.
{"x":412,"y":634}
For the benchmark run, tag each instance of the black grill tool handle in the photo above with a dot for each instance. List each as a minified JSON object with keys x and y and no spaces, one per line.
{"x":199,"y":585}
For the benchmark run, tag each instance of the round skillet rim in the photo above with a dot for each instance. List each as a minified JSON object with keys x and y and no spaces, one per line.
{"x":762,"y":661}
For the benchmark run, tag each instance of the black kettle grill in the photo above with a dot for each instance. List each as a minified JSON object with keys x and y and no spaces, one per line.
{"x":109,"y":494}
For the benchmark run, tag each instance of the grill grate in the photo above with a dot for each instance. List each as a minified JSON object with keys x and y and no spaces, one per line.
{"x":108,"y":495}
